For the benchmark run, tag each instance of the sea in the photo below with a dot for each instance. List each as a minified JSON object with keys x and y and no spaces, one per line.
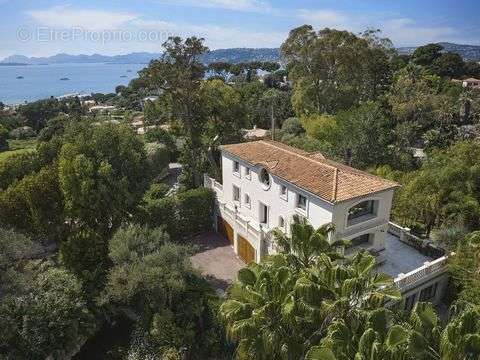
{"x":26,"y":83}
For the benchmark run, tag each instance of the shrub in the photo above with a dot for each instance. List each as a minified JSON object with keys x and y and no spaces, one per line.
{"x":50,"y":318}
{"x":158,"y":158}
{"x":292,"y":126}
{"x":84,"y":251}
{"x":195,"y":210}
{"x":158,"y":212}
{"x":21,"y":133}
{"x":3,"y":138}
{"x":184,"y":215}
{"x":157,"y":191}
{"x":16,"y":167}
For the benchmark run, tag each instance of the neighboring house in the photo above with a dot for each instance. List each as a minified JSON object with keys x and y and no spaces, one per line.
{"x":254,"y":133}
{"x":102,"y":109}
{"x":469,"y":83}
{"x":265,"y":183}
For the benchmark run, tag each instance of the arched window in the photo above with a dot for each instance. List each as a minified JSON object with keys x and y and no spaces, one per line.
{"x":265,"y":178}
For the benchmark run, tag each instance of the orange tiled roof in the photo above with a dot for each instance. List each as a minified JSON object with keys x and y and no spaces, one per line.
{"x":331,"y":181}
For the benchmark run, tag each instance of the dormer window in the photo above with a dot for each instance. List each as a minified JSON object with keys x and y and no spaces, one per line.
{"x":265,"y":179}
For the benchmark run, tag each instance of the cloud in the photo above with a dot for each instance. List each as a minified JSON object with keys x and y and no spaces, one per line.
{"x":324,"y":18}
{"x":68,"y":17}
{"x":237,"y":5}
{"x":407,"y":32}
{"x":403,"y":31}
{"x":216,"y":36}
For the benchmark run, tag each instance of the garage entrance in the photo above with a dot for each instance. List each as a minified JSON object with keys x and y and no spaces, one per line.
{"x":225,"y":229}
{"x":245,"y":250}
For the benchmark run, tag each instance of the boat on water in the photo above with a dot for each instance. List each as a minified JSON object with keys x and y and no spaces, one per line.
{"x":123,"y":76}
{"x":64,"y":79}
{"x":129,"y":70}
{"x":19,"y":77}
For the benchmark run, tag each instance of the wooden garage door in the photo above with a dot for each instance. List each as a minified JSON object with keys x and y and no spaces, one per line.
{"x":225,"y":229}
{"x":245,"y":250}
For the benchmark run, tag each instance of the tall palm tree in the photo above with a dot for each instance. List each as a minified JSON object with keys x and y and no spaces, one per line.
{"x":461,"y":337}
{"x":306,"y":243}
{"x":275,"y":311}
{"x":373,"y":338}
{"x":333,"y":291}
{"x":258,"y":312}
{"x":419,"y":338}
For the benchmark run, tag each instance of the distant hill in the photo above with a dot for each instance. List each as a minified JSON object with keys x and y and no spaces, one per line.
{"x":229,"y":55}
{"x":238,"y":55}
{"x":467,"y":52}
{"x":234,"y":55}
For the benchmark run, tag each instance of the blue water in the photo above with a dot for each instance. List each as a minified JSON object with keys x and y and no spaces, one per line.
{"x":43,"y":81}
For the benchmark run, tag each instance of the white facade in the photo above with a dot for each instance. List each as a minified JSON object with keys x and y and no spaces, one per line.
{"x":243,"y":198}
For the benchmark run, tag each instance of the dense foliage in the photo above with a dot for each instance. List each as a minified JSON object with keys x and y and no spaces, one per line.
{"x":95,"y":228}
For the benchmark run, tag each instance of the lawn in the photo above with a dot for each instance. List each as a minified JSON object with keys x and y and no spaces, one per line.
{"x":18,"y":147}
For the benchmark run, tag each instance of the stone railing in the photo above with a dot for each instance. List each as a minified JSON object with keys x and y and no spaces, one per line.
{"x":428,"y":270}
{"x":425,"y":246}
{"x":213,"y":184}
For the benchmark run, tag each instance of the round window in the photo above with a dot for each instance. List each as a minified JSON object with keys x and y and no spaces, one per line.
{"x":265,"y":179}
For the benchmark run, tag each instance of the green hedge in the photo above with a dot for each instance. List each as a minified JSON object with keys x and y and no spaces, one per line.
{"x":187,"y":214}
{"x":195,"y":210}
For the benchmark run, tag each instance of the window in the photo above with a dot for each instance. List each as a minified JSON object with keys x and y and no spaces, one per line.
{"x":236,"y":167}
{"x":247,"y":200}
{"x":236,"y":193}
{"x":409,"y":302}
{"x":247,"y":172}
{"x":362,"y":239}
{"x":281,"y":222}
{"x":428,"y":293}
{"x":302,"y":202}
{"x":263,"y":214}
{"x":283,"y":191}
{"x":265,"y":178}
{"x":364,"y":211}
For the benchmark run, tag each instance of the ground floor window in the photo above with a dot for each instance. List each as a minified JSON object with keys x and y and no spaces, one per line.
{"x":409,"y":302}
{"x":429,"y":292}
{"x":362,"y":239}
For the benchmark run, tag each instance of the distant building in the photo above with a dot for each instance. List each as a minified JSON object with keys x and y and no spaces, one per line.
{"x":469,"y":83}
{"x":89,"y":103}
{"x":103,"y":109}
{"x":254,"y":134}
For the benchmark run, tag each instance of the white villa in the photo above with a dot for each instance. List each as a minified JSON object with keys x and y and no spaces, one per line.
{"x":265,"y":183}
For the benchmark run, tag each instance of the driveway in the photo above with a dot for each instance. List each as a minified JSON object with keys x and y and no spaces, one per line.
{"x":216,"y":260}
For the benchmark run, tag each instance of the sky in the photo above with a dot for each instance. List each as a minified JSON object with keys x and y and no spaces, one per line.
{"x":111,"y":27}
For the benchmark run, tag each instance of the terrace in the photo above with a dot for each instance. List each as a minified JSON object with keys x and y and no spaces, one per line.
{"x":400,"y":258}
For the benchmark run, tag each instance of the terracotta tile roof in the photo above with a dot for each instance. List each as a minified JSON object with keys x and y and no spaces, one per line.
{"x":331,"y":181}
